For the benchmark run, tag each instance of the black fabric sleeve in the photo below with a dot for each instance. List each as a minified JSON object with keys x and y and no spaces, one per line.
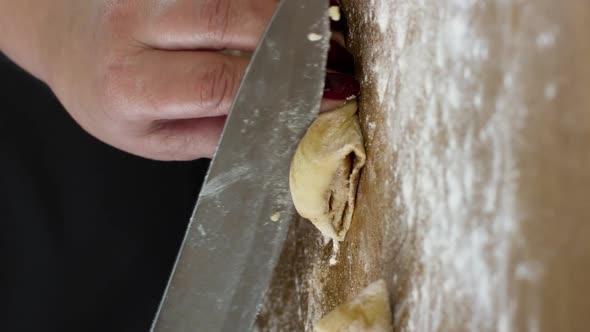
{"x":88,"y":234}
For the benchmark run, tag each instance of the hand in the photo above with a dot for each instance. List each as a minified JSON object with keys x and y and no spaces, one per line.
{"x":146,"y":77}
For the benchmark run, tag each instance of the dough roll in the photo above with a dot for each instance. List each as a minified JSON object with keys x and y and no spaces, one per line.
{"x":369,"y":311}
{"x":325,"y":170}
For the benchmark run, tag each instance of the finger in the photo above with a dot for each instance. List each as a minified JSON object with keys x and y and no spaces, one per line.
{"x":187,"y":139}
{"x":165,"y":85}
{"x":208,"y":24}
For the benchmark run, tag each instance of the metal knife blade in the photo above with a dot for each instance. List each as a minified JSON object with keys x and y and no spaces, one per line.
{"x":243,"y":212}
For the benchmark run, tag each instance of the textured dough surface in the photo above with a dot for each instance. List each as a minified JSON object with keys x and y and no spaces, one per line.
{"x":325,"y":170}
{"x":369,"y":311}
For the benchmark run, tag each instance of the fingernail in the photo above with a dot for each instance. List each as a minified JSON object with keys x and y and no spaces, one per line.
{"x":339,"y":59}
{"x":341,"y":86}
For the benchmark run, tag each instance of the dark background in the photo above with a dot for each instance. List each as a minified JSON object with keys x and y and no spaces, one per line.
{"x":88,"y":234}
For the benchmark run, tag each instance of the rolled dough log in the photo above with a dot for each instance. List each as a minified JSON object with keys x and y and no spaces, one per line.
{"x":325,"y":170}
{"x":368,"y":311}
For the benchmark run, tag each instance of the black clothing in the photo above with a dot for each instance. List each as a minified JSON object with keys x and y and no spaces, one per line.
{"x":88,"y":234}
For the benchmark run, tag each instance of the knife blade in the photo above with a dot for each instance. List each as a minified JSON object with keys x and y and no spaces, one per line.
{"x":242,"y":215}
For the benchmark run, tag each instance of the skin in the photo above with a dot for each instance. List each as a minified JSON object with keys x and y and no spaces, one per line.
{"x":146,"y":76}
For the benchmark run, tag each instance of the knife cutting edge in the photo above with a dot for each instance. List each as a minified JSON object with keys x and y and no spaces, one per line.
{"x":241,"y":218}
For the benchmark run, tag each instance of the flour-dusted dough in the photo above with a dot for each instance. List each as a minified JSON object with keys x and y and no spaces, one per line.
{"x":325,"y":170}
{"x":369,"y":311}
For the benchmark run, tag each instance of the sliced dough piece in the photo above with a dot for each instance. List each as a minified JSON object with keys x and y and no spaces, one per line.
{"x":325,"y":170}
{"x":369,"y":311}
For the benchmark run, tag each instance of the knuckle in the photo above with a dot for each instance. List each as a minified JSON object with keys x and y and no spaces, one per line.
{"x":120,"y":21}
{"x":216,"y":14}
{"x":114,"y":85}
{"x":216,"y":85}
{"x":119,"y":91}
{"x":117,"y":12}
{"x":167,"y":144}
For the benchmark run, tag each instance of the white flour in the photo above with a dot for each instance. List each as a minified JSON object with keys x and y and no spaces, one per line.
{"x":456,"y":165}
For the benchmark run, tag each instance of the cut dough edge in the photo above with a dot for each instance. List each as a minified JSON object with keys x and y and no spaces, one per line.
{"x":325,"y":170}
{"x":368,"y":311}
